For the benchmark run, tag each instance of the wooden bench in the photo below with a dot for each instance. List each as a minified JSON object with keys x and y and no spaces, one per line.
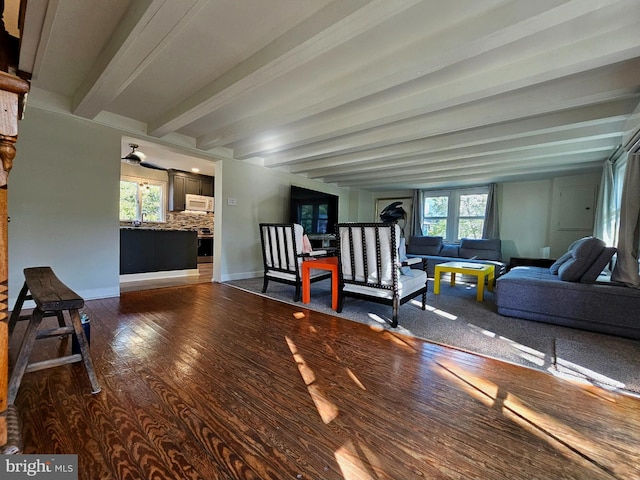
{"x":52,"y":298}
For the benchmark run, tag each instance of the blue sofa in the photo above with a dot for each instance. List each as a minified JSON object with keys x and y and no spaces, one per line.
{"x":435,"y":251}
{"x":572,"y":293}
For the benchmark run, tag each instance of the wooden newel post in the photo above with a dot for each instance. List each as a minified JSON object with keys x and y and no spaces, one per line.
{"x":12,"y":92}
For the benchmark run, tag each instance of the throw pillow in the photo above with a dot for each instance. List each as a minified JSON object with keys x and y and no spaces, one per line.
{"x":485,"y":249}
{"x":556,"y":265}
{"x":591,"y":275}
{"x":583,"y":252}
{"x":424,"y":245}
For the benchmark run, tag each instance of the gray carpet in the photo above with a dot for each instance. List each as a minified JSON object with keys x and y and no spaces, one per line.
{"x":454,"y":318}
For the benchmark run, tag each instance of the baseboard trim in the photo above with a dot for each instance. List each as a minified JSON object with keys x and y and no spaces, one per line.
{"x":136,"y":277}
{"x":240,"y":276}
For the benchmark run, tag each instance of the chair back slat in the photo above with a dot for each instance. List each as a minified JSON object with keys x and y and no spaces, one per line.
{"x":368,"y":254}
{"x":281,"y":247}
{"x":369,"y":267}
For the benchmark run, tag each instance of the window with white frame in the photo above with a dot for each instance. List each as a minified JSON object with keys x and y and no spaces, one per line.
{"x":454,"y":214}
{"x":141,"y":199}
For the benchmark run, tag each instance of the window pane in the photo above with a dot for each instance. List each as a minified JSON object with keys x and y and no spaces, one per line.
{"x":323,"y":216}
{"x":306,"y":217}
{"x":435,"y":227}
{"x":151,"y":203}
{"x":436,"y":206}
{"x":470,"y":228}
{"x":128,"y":197}
{"x":473,"y":205}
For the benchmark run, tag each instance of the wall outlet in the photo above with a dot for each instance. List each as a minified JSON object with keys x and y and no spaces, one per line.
{"x":232,"y":201}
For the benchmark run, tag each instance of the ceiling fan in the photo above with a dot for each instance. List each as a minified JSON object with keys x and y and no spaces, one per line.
{"x":139,"y":158}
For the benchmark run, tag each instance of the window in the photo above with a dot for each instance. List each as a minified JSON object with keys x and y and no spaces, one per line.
{"x":454,"y":214}
{"x":436,"y":212}
{"x":140,"y":197}
{"x":314,"y":217}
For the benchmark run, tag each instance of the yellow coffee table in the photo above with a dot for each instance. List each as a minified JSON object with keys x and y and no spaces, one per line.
{"x":481,"y":271}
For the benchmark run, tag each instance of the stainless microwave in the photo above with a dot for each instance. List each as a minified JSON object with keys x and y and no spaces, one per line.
{"x":198,"y":203}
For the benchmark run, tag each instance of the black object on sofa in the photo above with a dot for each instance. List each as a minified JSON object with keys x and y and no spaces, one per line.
{"x":571,"y":294}
{"x":435,"y":251}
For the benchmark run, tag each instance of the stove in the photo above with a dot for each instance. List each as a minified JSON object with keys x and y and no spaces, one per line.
{"x":205,"y":245}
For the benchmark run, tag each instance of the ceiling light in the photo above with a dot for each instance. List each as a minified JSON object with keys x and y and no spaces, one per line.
{"x":195,"y":170}
{"x":134,"y":157}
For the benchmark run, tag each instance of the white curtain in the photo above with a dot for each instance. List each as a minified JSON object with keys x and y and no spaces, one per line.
{"x":415,"y":223}
{"x":626,"y":269}
{"x":491,"y":228}
{"x":606,"y":224}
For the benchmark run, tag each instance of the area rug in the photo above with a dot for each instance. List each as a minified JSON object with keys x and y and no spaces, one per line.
{"x":455,"y":319}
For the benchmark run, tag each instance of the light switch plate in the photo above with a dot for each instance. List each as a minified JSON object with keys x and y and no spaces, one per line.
{"x":232,"y":201}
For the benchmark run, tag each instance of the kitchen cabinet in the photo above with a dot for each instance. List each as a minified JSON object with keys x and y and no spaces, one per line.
{"x":182,"y":183}
{"x":143,"y":250}
{"x":206,"y":186}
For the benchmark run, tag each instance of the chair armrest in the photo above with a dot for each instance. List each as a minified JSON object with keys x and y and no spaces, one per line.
{"x":314,"y":253}
{"x":411,"y":261}
{"x":415,"y":261}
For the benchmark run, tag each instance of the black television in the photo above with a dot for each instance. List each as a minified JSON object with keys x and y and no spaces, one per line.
{"x":316,"y":211}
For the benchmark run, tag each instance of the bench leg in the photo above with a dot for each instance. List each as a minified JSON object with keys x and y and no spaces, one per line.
{"x":60,"y":316}
{"x":17,"y":308}
{"x":23,"y":355}
{"x":84,"y":349}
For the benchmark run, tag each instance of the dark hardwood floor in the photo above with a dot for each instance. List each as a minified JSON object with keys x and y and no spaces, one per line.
{"x":209,"y":382}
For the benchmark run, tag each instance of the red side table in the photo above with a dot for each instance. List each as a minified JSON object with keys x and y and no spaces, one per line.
{"x":326,"y":263}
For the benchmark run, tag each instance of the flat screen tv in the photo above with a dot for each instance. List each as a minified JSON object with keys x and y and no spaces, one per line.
{"x":316,"y":211}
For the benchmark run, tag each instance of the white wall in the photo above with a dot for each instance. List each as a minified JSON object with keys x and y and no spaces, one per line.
{"x":63,"y":203}
{"x":64,"y":192}
{"x":524,"y":210}
{"x":528,"y":214}
{"x":560,"y":238}
{"x":64,"y":195}
{"x":262,"y":196}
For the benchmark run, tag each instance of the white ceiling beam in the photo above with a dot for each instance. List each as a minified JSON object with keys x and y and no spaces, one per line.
{"x":330,"y":27}
{"x":145,"y":31}
{"x":398,"y":66}
{"x":603,"y":85}
{"x":601,"y":116}
{"x":448,"y":94}
{"x":39,"y":19}
{"x":450,"y":162}
{"x":548,"y":164}
{"x":507,"y":148}
{"x":519,"y":175}
{"x":508,"y":66}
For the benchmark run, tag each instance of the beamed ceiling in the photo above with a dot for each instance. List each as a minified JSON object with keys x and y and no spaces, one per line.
{"x":377,"y":95}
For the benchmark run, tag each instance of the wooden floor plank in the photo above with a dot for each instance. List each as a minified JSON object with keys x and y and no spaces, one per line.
{"x":207,"y":381}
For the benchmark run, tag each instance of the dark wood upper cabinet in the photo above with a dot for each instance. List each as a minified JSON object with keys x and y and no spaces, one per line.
{"x":182,"y":183}
{"x":206,"y":186}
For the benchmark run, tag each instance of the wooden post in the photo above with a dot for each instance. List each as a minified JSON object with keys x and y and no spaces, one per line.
{"x":12,"y":91}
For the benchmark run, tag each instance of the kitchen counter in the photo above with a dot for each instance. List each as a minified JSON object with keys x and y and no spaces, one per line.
{"x":144,"y":250}
{"x":155,"y":229}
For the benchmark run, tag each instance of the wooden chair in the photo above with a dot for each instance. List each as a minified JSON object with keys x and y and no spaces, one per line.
{"x":370,"y":267}
{"x":282,"y":256}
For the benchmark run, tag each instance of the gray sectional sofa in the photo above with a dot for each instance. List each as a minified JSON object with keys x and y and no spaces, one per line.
{"x":572,"y":293}
{"x":435,"y":251}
